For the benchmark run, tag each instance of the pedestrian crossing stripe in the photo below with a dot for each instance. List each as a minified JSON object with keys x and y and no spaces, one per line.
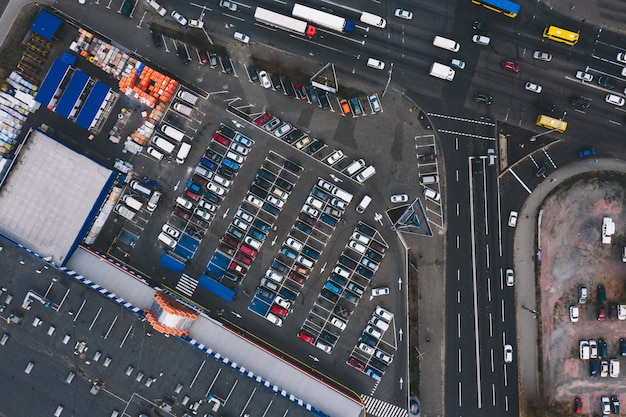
{"x":379,"y":408}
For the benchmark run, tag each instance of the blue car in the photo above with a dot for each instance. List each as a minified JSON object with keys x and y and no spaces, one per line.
{"x":208,"y":164}
{"x":312,"y":94}
{"x":586,"y":152}
{"x":230,"y":164}
{"x":332,"y":287}
{"x":194,"y":187}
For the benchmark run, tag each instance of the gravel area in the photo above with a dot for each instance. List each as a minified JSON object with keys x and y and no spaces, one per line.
{"x":571,"y":255}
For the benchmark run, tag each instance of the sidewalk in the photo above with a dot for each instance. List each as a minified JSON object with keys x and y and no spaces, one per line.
{"x":530,"y":385}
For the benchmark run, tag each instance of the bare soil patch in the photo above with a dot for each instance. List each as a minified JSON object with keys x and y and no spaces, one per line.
{"x":572,"y":254}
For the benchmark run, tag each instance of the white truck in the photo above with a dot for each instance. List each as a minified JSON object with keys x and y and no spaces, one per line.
{"x":283,"y":22}
{"x":608,"y":229}
{"x":156,"y":6}
{"x":323,"y":19}
{"x":442,"y":71}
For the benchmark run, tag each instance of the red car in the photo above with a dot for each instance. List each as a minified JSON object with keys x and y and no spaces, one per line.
{"x":248,"y":251}
{"x":182,"y":213}
{"x":511,"y":66}
{"x":221,"y":139}
{"x":428,"y":157}
{"x":204,"y":58}
{"x":601,"y":312}
{"x":237,"y":268}
{"x":578,"y":405}
{"x":306,"y":337}
{"x":262,"y":119}
{"x":201,"y":223}
{"x":229,"y":240}
{"x":282,"y":312}
{"x":356,"y":364}
{"x":297,"y":277}
{"x":243,"y":258}
{"x":300,"y":92}
{"x":192,"y":195}
{"x":228,"y":250}
{"x":307,"y":219}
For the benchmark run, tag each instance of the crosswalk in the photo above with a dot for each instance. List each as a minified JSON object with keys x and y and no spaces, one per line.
{"x":187,"y":285}
{"x":379,"y":408}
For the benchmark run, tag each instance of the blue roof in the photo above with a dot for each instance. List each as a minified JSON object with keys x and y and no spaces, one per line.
{"x":92,"y":105}
{"x":50,"y":84}
{"x":172,"y":263}
{"x":46,"y":24}
{"x":216,"y":288}
{"x":71,"y":94}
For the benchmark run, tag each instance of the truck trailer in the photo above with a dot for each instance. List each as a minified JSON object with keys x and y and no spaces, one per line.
{"x":283,"y":22}
{"x":323,"y":19}
{"x":442,"y":71}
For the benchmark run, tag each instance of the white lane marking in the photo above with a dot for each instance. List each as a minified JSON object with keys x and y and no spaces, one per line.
{"x":491,"y":359}
{"x":502,"y":310}
{"x":520,"y":181}
{"x":506,"y":378}
{"x":458,"y":324}
{"x":460,"y":402}
{"x":458,"y":297}
{"x":459,"y":361}
{"x":487,"y":256}
{"x":490,"y":326}
{"x":493,"y":394}
{"x":499,"y":216}
{"x":489,"y":289}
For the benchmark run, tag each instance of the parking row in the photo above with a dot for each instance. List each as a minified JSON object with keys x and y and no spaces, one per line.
{"x":252,"y":222}
{"x":369,"y":355}
{"x":356,"y":169}
{"x":298,"y":254}
{"x":348,"y":281}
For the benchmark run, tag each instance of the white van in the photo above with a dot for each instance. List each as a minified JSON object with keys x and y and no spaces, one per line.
{"x":140,"y":188}
{"x":183,"y":152}
{"x":429,"y":179}
{"x":154,"y":200}
{"x":163,"y":144}
{"x":355,"y":166}
{"x":167,"y":240}
{"x":132,"y":203}
{"x":188,"y":97}
{"x":153,"y":152}
{"x":58,"y":411}
{"x":375,"y":63}
{"x":182,"y":109}
{"x":29,"y":367}
{"x":364,"y":203}
{"x":367,"y":173}
{"x":124,"y":211}
{"x":173,"y":133}
{"x":344,"y":195}
{"x":445,"y":43}
{"x":374,"y":20}
{"x":70,"y":377}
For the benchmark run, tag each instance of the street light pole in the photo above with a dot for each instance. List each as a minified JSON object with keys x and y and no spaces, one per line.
{"x":534,"y":138}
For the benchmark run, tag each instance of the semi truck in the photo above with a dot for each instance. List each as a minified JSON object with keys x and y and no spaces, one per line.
{"x":283,"y":22}
{"x":323,"y":19}
{"x":442,"y":71}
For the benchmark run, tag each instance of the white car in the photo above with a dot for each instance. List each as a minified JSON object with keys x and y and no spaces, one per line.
{"x":282,"y":302}
{"x":294,"y":244}
{"x":481,"y":40}
{"x":431,"y":194}
{"x":604,"y":369}
{"x":510,"y":278}
{"x":584,"y":76}
{"x":239,"y":148}
{"x":175,"y":233}
{"x":323,"y":346}
{"x":179,"y":18}
{"x":265,"y":79}
{"x":403,"y":14}
{"x":207,"y":205}
{"x":241,"y":224}
{"x":542,"y":56}
{"x":614,"y":368}
{"x":221,"y":180}
{"x":201,"y":213}
{"x":245,"y":216}
{"x":228,"y":5}
{"x":216,"y":189}
{"x":254,"y":200}
{"x":614,"y":99}
{"x":383,"y":356}
{"x":372,"y":331}
{"x":310,"y":211}
{"x":340,"y":204}
{"x":535,"y":88}
{"x":573,"y":314}
{"x":583,"y":349}
{"x":457,"y":63}
{"x":606,"y":405}
{"x":241,"y":37}
{"x":167,"y":240}
{"x":334,"y":157}
{"x":193,"y":23}
{"x":621,"y":57}
{"x":340,"y":324}
{"x":274,"y":319}
{"x":508,"y":353}
{"x":282,"y":131}
{"x":380,"y":291}
{"x":384,"y":313}
{"x":512,"y":218}
{"x":274,"y":276}
{"x":154,"y":153}
{"x":399,"y":198}
{"x":593,"y":349}
{"x":366,"y":348}
{"x":275,"y":201}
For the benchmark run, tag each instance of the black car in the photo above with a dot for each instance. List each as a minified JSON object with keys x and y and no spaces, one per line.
{"x":542,"y":170}
{"x":261,"y":225}
{"x":622,"y":346}
{"x":182,"y":54}
{"x":483,"y":98}
{"x":228,"y":68}
{"x":226,"y":131}
{"x":615,"y":404}
{"x":294,"y":135}
{"x":213,"y":156}
{"x":606,"y":82}
{"x":271,"y":209}
{"x":374,"y":255}
{"x":288,"y":85}
{"x":258,"y":191}
{"x":280,"y":267}
{"x":366,"y":230}
{"x":304,"y":227}
{"x":276,"y":82}
{"x":580,"y":101}
{"x":265,"y":295}
{"x":266,"y":174}
{"x":292,"y":166}
{"x":156,"y":38}
{"x":329,"y":295}
{"x":284,"y":184}
{"x":602,"y":349}
{"x":310,"y":252}
{"x":254,"y":76}
{"x":315,"y":146}
{"x":226,"y":172}
{"x":327,"y":336}
{"x":262,"y":183}
{"x":324,"y":101}
{"x":601,"y":294}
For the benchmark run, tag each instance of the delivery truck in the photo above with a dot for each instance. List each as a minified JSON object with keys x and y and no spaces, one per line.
{"x":442,"y":71}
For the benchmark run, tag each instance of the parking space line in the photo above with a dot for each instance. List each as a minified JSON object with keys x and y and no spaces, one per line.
{"x":193,"y":381}
{"x":243,"y":410}
{"x":126,"y":336}
{"x":95,"y":318}
{"x":110,"y":327}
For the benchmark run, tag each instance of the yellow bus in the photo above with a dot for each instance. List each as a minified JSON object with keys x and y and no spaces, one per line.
{"x":551,"y":123}
{"x":561,"y":35}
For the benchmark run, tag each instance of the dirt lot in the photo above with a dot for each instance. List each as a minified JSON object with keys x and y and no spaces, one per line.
{"x":572,"y":254}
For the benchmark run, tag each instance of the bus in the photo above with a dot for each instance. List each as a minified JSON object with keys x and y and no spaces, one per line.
{"x":560,"y":35}
{"x":506,"y":7}
{"x":551,"y":123}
